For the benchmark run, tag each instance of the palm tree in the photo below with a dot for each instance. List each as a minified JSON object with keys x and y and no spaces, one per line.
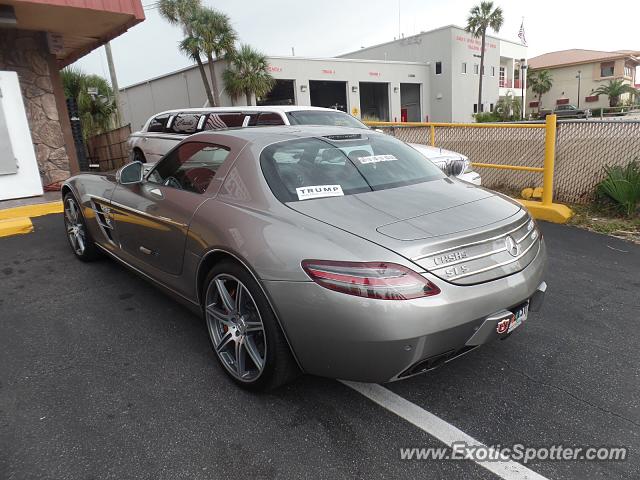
{"x":481,"y":17}
{"x":94,"y":97}
{"x":614,"y":90}
{"x":540,"y":83}
{"x":508,"y":108}
{"x":216,"y":39}
{"x":247,"y":74}
{"x":184,"y":13}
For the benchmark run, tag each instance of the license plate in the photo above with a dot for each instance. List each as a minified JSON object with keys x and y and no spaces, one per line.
{"x":520,"y":315}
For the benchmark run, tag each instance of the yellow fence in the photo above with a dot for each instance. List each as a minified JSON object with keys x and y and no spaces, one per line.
{"x":546,"y":209}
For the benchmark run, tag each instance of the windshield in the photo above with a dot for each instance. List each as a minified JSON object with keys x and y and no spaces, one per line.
{"x":342,"y":165}
{"x":324,"y":117}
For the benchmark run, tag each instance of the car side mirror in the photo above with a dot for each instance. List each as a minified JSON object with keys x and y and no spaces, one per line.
{"x":131,"y":173}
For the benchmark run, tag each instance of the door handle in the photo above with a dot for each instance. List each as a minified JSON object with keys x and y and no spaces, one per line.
{"x":146,"y":251}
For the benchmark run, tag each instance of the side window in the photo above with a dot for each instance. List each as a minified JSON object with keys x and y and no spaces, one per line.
{"x":438,"y":68}
{"x":185,"y":123}
{"x":191,"y":166}
{"x":270,"y":118}
{"x":159,"y":123}
{"x":217,"y":121}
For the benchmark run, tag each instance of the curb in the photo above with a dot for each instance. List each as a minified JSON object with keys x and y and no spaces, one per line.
{"x":17,"y":221}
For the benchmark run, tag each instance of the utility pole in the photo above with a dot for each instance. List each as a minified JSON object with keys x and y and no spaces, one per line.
{"x":579,"y":77}
{"x":114,"y":82}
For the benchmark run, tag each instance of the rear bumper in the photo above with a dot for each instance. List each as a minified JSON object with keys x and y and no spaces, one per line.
{"x":342,"y":336}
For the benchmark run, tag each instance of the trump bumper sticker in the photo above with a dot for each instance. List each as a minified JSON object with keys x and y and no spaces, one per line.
{"x":318,"y":191}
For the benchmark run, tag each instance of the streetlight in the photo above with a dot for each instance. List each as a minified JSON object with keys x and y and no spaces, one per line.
{"x":523,"y":73}
{"x":579,"y":77}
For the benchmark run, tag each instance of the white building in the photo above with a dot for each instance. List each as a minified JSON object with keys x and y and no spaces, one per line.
{"x":432,"y":76}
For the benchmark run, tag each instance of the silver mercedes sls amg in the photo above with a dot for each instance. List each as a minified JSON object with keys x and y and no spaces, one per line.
{"x":325,"y":250}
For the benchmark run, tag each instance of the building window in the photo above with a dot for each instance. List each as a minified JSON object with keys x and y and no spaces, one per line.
{"x":438,"y":68}
{"x":476,"y":68}
{"x":491,"y":107}
{"x":606,"y":69}
{"x":501,"y":79}
{"x":475,"y":108}
{"x":493,"y":71}
{"x":481,"y":107}
{"x":464,"y":67}
{"x":628,"y":72}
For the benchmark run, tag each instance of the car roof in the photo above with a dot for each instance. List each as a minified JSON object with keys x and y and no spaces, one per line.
{"x":271,"y":134}
{"x":245,"y":108}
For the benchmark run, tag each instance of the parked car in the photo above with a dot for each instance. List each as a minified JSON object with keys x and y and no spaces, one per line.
{"x":332,"y":251}
{"x":164,"y":130}
{"x":452,"y":163}
{"x":567,"y":111}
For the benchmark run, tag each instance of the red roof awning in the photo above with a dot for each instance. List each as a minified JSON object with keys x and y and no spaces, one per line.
{"x":77,"y":26}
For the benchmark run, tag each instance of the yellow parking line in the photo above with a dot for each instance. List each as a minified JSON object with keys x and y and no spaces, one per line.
{"x":15,"y":226}
{"x":36,"y":210}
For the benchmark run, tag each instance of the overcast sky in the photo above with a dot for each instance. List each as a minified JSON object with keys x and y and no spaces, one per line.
{"x":330,"y":27}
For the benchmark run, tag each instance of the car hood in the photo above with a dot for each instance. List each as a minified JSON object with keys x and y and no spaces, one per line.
{"x":419,"y":221}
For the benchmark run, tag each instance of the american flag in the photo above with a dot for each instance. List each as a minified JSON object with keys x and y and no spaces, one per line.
{"x":521,"y":34}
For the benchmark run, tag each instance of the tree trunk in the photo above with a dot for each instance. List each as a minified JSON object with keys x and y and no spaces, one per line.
{"x":205,"y":81}
{"x":484,"y":34}
{"x":539,"y":102}
{"x":214,"y":81}
{"x":613,"y":101}
{"x":248,"y":95}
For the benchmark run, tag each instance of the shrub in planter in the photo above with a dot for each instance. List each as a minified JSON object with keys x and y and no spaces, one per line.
{"x":622,"y":185}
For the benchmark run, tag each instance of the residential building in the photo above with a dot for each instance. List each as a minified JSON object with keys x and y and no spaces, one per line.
{"x":577,"y":73}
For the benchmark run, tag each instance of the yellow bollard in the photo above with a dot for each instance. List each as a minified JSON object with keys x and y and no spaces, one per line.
{"x":432,"y":132}
{"x":549,"y":159}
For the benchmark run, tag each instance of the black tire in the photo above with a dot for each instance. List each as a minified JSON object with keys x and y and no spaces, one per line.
{"x":78,"y":224}
{"x":138,"y":156}
{"x":279,"y":365}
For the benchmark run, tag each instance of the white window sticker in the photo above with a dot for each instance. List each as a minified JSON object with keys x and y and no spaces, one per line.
{"x":318,"y":191}
{"x":377,"y":159}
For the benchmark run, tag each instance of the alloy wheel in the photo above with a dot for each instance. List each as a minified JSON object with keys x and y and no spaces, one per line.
{"x":74,"y":226}
{"x":236,"y":327}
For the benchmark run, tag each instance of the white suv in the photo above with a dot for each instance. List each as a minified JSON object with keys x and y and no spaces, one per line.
{"x":164,"y":130}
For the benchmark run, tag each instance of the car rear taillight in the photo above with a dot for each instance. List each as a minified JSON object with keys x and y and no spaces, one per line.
{"x":383,"y":281}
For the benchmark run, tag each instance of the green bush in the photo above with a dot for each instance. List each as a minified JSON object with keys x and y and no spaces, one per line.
{"x":486,"y":117}
{"x":622,"y":185}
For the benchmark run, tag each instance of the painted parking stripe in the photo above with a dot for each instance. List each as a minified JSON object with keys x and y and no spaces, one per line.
{"x":438,"y":428}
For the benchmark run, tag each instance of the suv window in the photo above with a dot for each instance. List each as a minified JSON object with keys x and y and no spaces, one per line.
{"x":217,"y":121}
{"x":191,"y":166}
{"x":323,"y":117}
{"x":345,"y":166}
{"x":158,"y":123}
{"x":184,"y":123}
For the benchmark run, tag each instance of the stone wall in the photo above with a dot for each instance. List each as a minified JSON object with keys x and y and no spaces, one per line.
{"x":25,"y":52}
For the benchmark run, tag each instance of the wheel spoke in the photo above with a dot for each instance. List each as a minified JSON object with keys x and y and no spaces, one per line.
{"x":252,"y":350}
{"x":227,"y":300}
{"x":80,"y":241}
{"x":254,"y":326}
{"x":224,"y":341}
{"x":219,"y":315}
{"x":239,"y":296}
{"x":240,"y":367}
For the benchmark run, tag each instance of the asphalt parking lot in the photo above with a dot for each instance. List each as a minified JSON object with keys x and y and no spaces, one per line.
{"x":103,"y":376}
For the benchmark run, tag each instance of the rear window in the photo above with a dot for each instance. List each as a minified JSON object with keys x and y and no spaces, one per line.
{"x":323,"y":117}
{"x":342,"y":165}
{"x":185,"y":123}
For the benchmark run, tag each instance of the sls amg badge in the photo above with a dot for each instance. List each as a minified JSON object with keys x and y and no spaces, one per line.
{"x":503,"y":325}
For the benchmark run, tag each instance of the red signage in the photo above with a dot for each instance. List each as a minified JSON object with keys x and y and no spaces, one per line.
{"x":328,"y":71}
{"x":273,"y":68}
